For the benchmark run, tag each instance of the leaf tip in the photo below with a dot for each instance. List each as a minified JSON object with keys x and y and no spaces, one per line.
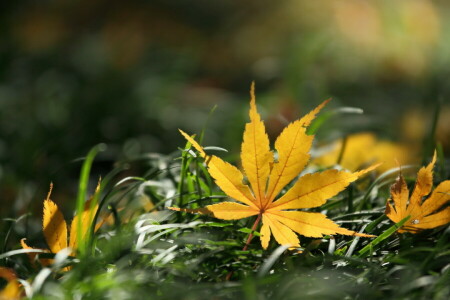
{"x":367,"y":170}
{"x":252,"y":90}
{"x":253,"y":110}
{"x":49,"y":191}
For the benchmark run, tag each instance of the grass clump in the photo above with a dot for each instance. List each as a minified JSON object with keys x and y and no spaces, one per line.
{"x":143,"y":249}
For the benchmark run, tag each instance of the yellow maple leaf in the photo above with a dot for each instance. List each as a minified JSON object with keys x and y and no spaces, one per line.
{"x":267,"y":178}
{"x":55,"y":227}
{"x":424,"y":214}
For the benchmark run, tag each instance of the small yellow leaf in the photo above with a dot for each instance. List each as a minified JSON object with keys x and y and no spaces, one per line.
{"x":32,"y":256}
{"x":54,"y":225}
{"x":55,"y":228}
{"x":12,"y":290}
{"x":425,"y":214}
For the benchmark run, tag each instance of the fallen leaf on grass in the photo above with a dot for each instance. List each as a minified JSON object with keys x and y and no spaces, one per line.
{"x":268,"y":178}
{"x":425,"y":214}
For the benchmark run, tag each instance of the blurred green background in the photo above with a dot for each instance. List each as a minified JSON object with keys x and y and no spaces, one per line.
{"x":129,"y":73}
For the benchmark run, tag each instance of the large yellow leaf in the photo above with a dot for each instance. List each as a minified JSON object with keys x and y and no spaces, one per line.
{"x":54,"y":226}
{"x":312,"y":190}
{"x":423,"y":214}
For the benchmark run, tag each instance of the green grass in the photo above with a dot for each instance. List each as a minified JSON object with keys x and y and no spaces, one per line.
{"x":156,"y":253}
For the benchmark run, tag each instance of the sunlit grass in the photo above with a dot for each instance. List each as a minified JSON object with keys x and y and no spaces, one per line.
{"x":143,"y":249}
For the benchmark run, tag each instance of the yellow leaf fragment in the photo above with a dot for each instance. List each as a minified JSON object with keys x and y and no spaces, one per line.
{"x":87,"y":216}
{"x":12,"y":290}
{"x":194,"y":143}
{"x":425,"y":214}
{"x":54,"y":226}
{"x":268,"y":178}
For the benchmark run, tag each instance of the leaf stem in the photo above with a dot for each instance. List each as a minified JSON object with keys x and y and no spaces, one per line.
{"x":247,"y":243}
{"x":250,"y":235}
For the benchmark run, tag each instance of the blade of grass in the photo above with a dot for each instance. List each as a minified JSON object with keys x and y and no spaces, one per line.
{"x":382,"y":237}
{"x":202,"y":133}
{"x":324,"y":116}
{"x":8,"y":232}
{"x":375,"y":223}
{"x":377,"y":182}
{"x":265,"y":268}
{"x":82,"y":188}
{"x":430,"y":140}
{"x":183,"y":169}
